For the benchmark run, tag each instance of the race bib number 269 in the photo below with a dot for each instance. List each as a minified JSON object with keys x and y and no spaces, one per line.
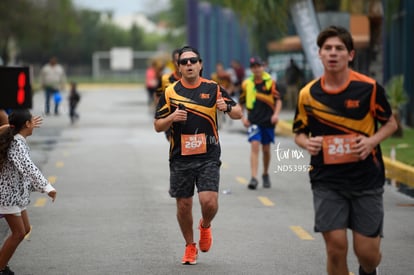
{"x":338,"y":149}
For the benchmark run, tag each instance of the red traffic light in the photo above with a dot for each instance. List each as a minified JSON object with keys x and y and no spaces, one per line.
{"x":16,"y":91}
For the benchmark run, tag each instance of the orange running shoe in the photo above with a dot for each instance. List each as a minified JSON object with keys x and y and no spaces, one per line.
{"x":190,"y":254}
{"x":206,"y":238}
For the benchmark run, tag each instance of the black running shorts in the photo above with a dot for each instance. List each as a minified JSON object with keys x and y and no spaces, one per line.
{"x":360,"y":211}
{"x":184,"y":176}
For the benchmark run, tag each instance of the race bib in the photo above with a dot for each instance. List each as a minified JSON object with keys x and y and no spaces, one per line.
{"x":338,"y":149}
{"x":193,"y":144}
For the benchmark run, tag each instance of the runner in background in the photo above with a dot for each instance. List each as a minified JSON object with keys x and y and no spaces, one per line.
{"x":167,"y":80}
{"x":262,"y":101}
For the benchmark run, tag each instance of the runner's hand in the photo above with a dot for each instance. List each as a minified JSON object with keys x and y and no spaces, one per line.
{"x":274,"y":119}
{"x":363,"y":147}
{"x":221,"y":104}
{"x":179,"y":115}
{"x":314,"y":145}
{"x":246,"y":122}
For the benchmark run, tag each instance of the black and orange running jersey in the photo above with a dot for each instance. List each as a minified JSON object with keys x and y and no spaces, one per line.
{"x":167,"y":80}
{"x":356,"y":108}
{"x":264,"y":100}
{"x":200,"y":104}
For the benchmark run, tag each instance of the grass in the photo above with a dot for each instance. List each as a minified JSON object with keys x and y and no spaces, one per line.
{"x":404,"y":147}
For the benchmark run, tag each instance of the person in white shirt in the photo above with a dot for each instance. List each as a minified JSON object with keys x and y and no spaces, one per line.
{"x":19,"y":176}
{"x":53,"y":80}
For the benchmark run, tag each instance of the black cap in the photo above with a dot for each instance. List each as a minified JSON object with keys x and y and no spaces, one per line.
{"x":255,"y":60}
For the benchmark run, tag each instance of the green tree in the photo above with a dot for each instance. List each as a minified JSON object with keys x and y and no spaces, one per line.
{"x":17,"y":18}
{"x":268,"y":19}
{"x":398,"y":98}
{"x":175,"y":16}
{"x":51,"y":23}
{"x":136,"y":37}
{"x":175,"y":19}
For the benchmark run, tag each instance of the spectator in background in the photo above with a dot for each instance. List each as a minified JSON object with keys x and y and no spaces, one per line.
{"x":153,"y":80}
{"x":269,"y":70}
{"x":293,"y":76}
{"x":74,"y":98}
{"x":223,"y":78}
{"x":53,"y":80}
{"x":18,"y":178}
{"x":240,"y":73}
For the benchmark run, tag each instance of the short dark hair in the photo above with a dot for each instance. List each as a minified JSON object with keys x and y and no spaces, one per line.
{"x":336,"y":31}
{"x":189,"y":49}
{"x":174,"y":52}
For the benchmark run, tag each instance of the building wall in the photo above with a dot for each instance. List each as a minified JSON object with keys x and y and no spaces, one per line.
{"x":217,"y":34}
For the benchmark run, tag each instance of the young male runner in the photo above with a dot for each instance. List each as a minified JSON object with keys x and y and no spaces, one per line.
{"x":336,"y":121}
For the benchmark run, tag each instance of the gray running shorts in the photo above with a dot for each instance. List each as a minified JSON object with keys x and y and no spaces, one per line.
{"x":184,"y":176}
{"x":360,"y":211}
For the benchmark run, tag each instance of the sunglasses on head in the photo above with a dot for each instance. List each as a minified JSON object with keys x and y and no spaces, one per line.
{"x":192,"y":60}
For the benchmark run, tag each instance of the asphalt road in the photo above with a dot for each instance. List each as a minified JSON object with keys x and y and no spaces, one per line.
{"x":113,"y":214}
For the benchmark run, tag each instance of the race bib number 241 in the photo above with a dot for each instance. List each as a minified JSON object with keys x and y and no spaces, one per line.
{"x":338,"y":149}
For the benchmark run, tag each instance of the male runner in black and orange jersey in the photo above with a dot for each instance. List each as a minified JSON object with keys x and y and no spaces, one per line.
{"x":189,"y":108}
{"x":336,"y":121}
{"x":167,"y":80}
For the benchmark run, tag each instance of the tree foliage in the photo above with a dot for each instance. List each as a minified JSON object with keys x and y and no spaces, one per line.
{"x":34,"y":30}
{"x":269,"y":19}
{"x":175,"y":16}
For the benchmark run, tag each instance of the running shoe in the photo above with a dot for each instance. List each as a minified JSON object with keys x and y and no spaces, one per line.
{"x":362,"y":272}
{"x":206,"y":238}
{"x":190,"y":254}
{"x":266,"y":181}
{"x":253,"y":184}
{"x":6,"y":271}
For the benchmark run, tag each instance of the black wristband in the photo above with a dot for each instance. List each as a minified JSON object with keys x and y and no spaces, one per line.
{"x":229,"y":107}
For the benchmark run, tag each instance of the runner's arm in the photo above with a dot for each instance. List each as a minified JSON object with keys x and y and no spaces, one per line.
{"x":365,"y":145}
{"x":312,"y":144}
{"x":163,"y":124}
{"x":236,"y":112}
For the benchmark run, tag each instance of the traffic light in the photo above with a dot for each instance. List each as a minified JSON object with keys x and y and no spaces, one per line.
{"x":15,"y":88}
